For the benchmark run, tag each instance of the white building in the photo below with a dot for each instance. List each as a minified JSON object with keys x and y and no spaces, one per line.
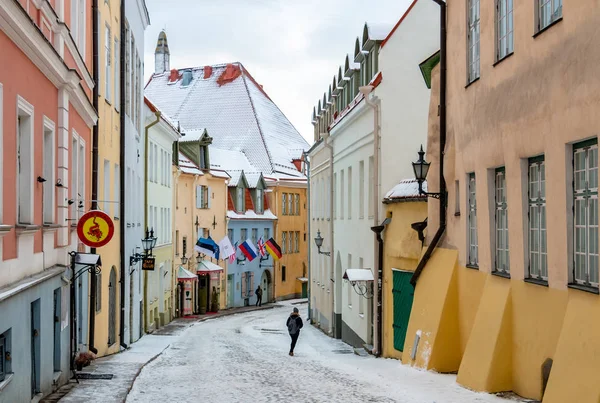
{"x":384,"y":68}
{"x":136,"y":21}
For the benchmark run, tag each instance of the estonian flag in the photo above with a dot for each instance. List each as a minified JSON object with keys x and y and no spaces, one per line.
{"x":273,"y":249}
{"x":208,"y":247}
{"x":248,"y":250}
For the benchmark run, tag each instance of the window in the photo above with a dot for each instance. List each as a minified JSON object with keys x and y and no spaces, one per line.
{"x":229,"y":234}
{"x":81,"y":174}
{"x":98,"y":292}
{"x":291,"y":242}
{"x":73,"y":186}
{"x":290,"y":204}
{"x":284,"y":242}
{"x":504,"y":28}
{"x":117,"y":185}
{"x":585,"y":207}
{"x":283,"y":273}
{"x":361,"y":303}
{"x":107,"y":63}
{"x":202,"y":197}
{"x":473,"y":40}
{"x":106,"y":189}
{"x":297,"y":201}
{"x":284,"y":203}
{"x":25,"y":150}
{"x":5,"y":347}
{"x":117,"y":76}
{"x":259,"y":201}
{"x":240,"y":199}
{"x":502,"y":256}
{"x":342,"y":194}
{"x":473,"y":242}
{"x":49,"y":164}
{"x":538,"y":260}
{"x":370,"y":185}
{"x":267,"y":234}
{"x":243,"y":234}
{"x":350,"y":196}
{"x":127,"y":38}
{"x":184,"y":245}
{"x":1,"y":142}
{"x":77,"y":26}
{"x":177,"y":241}
{"x":335,"y":203}
{"x":254,"y":236}
{"x":456,"y":198}
{"x":361,"y":189}
{"x":549,"y":11}
{"x":297,"y":241}
{"x":348,"y":283}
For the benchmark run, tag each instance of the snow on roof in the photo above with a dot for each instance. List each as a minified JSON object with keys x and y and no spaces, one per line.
{"x":229,"y":159}
{"x":406,"y":189}
{"x":235,"y":177}
{"x":185,"y":275}
{"x":379,"y":31}
{"x":251,"y":215}
{"x":238,"y":115}
{"x":187,"y":166}
{"x":192,"y":135}
{"x":252,"y":178}
{"x":358,"y":275}
{"x":206,"y":266}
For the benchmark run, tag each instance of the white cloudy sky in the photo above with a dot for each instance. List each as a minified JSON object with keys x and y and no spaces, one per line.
{"x":292,"y":47}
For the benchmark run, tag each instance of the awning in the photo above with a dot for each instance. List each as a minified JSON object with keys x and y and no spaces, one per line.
{"x":358,"y":275}
{"x":185,"y":275}
{"x":302,"y":279}
{"x":208,"y":267}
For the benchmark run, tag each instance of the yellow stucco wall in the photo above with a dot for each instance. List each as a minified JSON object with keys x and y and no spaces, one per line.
{"x":296,"y":263}
{"x":108,"y":149}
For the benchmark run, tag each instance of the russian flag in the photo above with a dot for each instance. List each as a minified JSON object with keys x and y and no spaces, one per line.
{"x":248,"y":250}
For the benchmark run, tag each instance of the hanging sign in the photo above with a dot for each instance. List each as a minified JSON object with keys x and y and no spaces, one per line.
{"x":95,"y":229}
{"x":148,"y":263}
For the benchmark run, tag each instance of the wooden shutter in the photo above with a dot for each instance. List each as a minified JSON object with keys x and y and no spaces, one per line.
{"x":209,"y":198}
{"x":244,"y":285}
{"x":403,"y":293}
{"x":199,"y":196}
{"x":251,"y":284}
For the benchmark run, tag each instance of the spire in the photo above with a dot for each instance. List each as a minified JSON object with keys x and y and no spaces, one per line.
{"x":162,"y":54}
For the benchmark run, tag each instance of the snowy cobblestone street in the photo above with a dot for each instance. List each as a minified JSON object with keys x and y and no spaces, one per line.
{"x":244,"y":358}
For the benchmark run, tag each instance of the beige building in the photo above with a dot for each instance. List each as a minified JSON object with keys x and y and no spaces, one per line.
{"x":509,"y":299}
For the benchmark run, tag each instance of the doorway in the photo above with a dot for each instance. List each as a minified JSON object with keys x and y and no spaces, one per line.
{"x":112,"y":307}
{"x":230,"y":290}
{"x":266,"y":286}
{"x":35,"y":348}
{"x":57,"y":311}
{"x":403,"y":293}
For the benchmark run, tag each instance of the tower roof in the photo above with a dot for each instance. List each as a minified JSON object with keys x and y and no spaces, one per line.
{"x":162,"y":45}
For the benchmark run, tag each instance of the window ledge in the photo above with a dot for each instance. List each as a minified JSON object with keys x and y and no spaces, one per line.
{"x":362,"y":315}
{"x":472,"y":266}
{"x":56,"y":376}
{"x":503,"y":59}
{"x":457,"y":214}
{"x":536,"y":281}
{"x":547,"y":27}
{"x":586,"y":288}
{"x":50,"y":227}
{"x":501,"y":274}
{"x":23,"y":229}
{"x":6,"y":381}
{"x":471,"y":82}
{"x":5,"y":229}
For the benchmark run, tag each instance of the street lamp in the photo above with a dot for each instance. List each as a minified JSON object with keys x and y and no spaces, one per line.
{"x":421,"y":168}
{"x":319,"y":243}
{"x":148,"y":243}
{"x":199,"y":258}
{"x":184,"y":260}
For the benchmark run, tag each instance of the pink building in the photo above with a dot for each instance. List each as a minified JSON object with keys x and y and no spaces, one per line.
{"x":46,"y":120}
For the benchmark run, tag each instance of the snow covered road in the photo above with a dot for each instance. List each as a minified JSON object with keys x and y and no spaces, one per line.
{"x":244,"y":358}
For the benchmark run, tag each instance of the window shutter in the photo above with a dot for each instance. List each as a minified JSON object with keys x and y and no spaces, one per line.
{"x":198,"y":196}
{"x":209,"y":198}
{"x":244,"y":285}
{"x":251,"y":284}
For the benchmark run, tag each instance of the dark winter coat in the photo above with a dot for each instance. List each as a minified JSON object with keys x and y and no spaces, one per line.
{"x":259,"y":292}
{"x":294,"y":328}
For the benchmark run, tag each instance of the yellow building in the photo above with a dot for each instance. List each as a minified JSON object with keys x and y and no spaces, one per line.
{"x":509,"y":299}
{"x":106,"y":335}
{"x":200,"y":211}
{"x":288,"y":203}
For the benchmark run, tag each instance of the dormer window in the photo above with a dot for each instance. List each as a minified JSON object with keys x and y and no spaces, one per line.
{"x":204,"y":157}
{"x":239,"y":199}
{"x":187,"y":78}
{"x":258,"y":203}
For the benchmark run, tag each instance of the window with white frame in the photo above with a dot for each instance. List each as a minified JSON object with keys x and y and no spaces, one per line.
{"x":585,"y":207}
{"x":350,"y":196}
{"x":291,"y":240}
{"x":284,"y":203}
{"x":254,"y":235}
{"x":504,"y":28}
{"x":266,"y":234}
{"x":73,"y":185}
{"x":335,"y":201}
{"x":370,"y":187}
{"x":473,"y":40}
{"x":297,"y":241}
{"x":284,"y":242}
{"x":259,"y":201}
{"x":538,"y":255}
{"x":243,"y":235}
{"x":348,"y":284}
{"x":117,"y":76}
{"x":291,"y":204}
{"x":342,"y":194}
{"x":473,"y":259}
{"x":501,"y":223}
{"x":361,"y":189}
{"x":77,"y":26}
{"x":49,"y":171}
{"x":107,"y":63}
{"x":240,"y":199}
{"x":25,"y":158}
{"x":127,"y":69}
{"x":549,"y":11}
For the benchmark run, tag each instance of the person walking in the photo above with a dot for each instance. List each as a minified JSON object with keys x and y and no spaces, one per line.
{"x":294,"y":324}
{"x":258,"y":296}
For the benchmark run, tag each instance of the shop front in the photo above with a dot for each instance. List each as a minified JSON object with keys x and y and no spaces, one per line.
{"x":209,"y":286}
{"x":186,"y":291}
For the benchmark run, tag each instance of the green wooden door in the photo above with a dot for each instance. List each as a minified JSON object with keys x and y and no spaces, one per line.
{"x":304,"y":290}
{"x":403,"y":293}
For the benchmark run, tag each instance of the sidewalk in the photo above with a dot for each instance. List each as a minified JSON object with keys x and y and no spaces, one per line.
{"x":125,"y":367}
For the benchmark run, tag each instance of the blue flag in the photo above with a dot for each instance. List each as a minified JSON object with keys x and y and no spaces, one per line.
{"x":208,"y":247}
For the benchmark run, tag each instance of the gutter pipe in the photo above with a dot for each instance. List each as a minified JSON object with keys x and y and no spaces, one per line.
{"x":307,"y":173}
{"x":443,"y":194}
{"x":124,"y":267}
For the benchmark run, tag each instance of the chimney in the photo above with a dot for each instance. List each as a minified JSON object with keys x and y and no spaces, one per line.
{"x":207,"y":71}
{"x":162,"y":54}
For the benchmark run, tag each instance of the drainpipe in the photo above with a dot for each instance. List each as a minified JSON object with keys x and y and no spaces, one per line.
{"x":378,"y":230}
{"x":95,"y":67}
{"x":157,"y":114}
{"x":124,"y":266}
{"x":443,"y":195}
{"x":307,"y":173}
{"x":366,"y":90}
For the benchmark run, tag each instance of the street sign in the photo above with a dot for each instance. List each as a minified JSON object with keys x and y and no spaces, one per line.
{"x":148,"y":263}
{"x":95,"y":229}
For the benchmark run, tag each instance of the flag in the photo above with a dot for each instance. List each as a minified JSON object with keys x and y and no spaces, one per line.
{"x":261,"y":247}
{"x":248,"y":250}
{"x":208,"y":247}
{"x":232,"y":256}
{"x":273,"y":249}
{"x":225,"y":248}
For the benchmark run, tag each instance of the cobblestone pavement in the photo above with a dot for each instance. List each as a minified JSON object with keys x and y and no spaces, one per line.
{"x":244,"y":358}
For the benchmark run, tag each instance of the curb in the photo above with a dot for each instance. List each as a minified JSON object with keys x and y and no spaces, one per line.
{"x":140,"y":370}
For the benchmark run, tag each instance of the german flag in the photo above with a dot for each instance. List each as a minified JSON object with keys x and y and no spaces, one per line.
{"x":273,"y":249}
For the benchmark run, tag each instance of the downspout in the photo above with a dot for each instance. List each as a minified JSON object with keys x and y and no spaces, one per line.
{"x":307,"y":173}
{"x":122,"y":163}
{"x":443,"y":194}
{"x":376,"y":299}
{"x":95,"y":158}
{"x":157,"y":114}
{"x":378,"y":230}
